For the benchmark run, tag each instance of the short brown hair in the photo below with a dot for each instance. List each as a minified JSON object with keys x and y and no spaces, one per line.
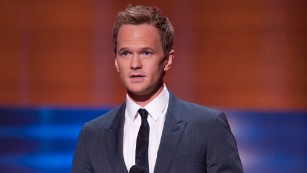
{"x":137,"y":15}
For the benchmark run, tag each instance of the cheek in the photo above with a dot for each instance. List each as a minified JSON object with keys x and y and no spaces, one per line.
{"x":120,"y":67}
{"x":157,"y":71}
{"x":122,"y":72}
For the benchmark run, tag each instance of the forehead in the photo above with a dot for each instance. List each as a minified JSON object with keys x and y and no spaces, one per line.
{"x":144,"y":33}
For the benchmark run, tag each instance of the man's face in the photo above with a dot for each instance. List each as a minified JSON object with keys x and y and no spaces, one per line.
{"x":140,"y":60}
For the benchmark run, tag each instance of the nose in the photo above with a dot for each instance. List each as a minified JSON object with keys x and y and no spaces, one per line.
{"x":135,"y":62}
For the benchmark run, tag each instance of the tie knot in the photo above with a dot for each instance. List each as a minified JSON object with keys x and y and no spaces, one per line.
{"x":143,"y":113}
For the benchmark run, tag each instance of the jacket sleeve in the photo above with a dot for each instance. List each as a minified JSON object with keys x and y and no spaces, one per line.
{"x":81,"y":162}
{"x":222,"y":152}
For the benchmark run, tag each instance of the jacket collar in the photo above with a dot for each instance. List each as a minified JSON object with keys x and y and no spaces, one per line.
{"x":114,"y":140}
{"x":174,"y":127}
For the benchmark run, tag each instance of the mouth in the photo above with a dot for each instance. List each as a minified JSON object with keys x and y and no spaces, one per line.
{"x":137,"y":77}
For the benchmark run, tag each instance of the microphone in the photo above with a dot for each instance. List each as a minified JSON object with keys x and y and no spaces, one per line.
{"x":137,"y":169}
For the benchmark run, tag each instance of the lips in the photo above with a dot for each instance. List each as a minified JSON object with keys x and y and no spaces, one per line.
{"x":137,"y":77}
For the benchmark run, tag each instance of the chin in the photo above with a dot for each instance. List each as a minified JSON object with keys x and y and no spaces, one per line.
{"x":138,"y":91}
{"x":136,"y":88}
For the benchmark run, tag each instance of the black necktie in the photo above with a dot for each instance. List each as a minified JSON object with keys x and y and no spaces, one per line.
{"x":141,"y":152}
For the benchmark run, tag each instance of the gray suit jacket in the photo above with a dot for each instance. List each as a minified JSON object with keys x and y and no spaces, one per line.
{"x":195,"y":139}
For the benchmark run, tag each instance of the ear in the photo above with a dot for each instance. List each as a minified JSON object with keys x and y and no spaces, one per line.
{"x":116,"y":63}
{"x":169,"y":60}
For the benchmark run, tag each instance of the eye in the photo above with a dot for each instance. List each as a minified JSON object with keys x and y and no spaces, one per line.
{"x":125,"y":53}
{"x":147,"y":53}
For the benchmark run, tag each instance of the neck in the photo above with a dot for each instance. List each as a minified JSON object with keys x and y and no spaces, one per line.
{"x":143,"y":100}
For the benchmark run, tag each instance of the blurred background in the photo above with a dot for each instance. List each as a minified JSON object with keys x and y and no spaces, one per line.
{"x":247,"y":58}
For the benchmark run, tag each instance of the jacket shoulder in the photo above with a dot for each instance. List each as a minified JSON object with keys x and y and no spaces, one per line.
{"x":196,"y":111}
{"x":104,"y":120}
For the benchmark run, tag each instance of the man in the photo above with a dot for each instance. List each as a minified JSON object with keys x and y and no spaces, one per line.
{"x":153,"y":131}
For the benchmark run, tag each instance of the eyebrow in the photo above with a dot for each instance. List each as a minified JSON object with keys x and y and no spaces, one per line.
{"x":141,"y":49}
{"x":147,"y":48}
{"x":122,"y":49}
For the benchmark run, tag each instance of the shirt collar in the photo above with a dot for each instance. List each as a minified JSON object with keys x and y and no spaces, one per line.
{"x":155,"y":108}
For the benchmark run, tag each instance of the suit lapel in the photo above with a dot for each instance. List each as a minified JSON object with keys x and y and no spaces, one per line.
{"x":114,"y":140}
{"x":174,"y":127}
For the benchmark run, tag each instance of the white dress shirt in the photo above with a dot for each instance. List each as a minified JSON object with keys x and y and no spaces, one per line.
{"x":156,"y":109}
